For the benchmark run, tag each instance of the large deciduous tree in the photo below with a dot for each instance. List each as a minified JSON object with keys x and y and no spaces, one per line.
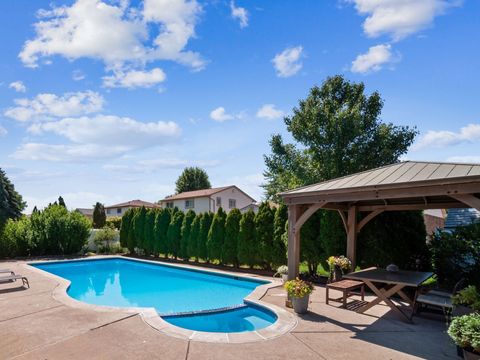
{"x":99,"y":216}
{"x":11,"y":202}
{"x":336,"y":131}
{"x":192,"y":178}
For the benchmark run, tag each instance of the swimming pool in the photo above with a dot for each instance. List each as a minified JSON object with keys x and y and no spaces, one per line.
{"x":171,"y":290}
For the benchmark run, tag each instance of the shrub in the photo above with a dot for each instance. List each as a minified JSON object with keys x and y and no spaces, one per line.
{"x":192,"y":247}
{"x":174,"y":234}
{"x":114,"y":222}
{"x":230,"y":244}
{"x":216,"y":235}
{"x":469,"y":297}
{"x":9,"y":236}
{"x":456,"y":254}
{"x":247,"y":243}
{"x":311,"y":249}
{"x":148,"y":231}
{"x":185,"y":234}
{"x":104,"y":237}
{"x":162,"y":222}
{"x":264,"y":230}
{"x":465,"y":331}
{"x":126,"y":223}
{"x":139,"y":227}
{"x":279,"y":249}
{"x":99,"y":216}
{"x":205,"y":224}
{"x":131,"y":239}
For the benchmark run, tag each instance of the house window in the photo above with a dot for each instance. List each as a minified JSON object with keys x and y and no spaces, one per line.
{"x":108,"y":211}
{"x":219,"y":201}
{"x":119,"y":210}
{"x":170,"y":205}
{"x":232,"y":203}
{"x":189,"y":204}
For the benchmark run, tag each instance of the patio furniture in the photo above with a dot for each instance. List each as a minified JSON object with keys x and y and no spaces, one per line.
{"x":14,"y":278}
{"x":386,"y":284}
{"x":346,"y":287}
{"x":7,"y":271}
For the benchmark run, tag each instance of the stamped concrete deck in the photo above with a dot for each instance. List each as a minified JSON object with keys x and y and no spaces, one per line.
{"x":35,"y":326}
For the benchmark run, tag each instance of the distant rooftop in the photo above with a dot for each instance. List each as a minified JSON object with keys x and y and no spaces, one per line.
{"x":86,"y":212}
{"x":461,"y":217}
{"x":134,"y":203}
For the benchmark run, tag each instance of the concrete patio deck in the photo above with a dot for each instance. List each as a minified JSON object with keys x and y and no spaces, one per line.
{"x":35,"y":326}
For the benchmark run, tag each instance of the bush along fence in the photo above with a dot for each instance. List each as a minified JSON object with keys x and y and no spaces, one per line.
{"x":229,"y":239}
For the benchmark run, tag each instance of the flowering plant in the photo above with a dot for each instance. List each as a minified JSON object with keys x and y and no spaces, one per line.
{"x":282,"y":270}
{"x":298,"y":288}
{"x":341,"y":261}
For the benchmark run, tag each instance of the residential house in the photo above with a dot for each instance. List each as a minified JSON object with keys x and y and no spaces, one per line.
{"x":434,"y":220}
{"x":461,"y":217}
{"x":88,"y":213}
{"x":120,"y":209}
{"x":227,"y":197}
{"x":255,"y":206}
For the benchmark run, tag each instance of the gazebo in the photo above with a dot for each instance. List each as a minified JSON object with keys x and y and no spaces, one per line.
{"x":409,"y":185}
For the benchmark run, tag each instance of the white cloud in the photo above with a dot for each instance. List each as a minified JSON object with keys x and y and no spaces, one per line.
{"x":3,"y":131}
{"x":135,"y":78}
{"x":48,"y":106}
{"x":287,"y":63}
{"x":78,"y":75}
{"x":269,"y":111}
{"x":471,"y":159}
{"x":220,"y":115}
{"x":116,"y":33}
{"x":18,"y":86}
{"x":239,"y":13}
{"x":151,"y":165}
{"x":120,"y":133}
{"x":400,"y":18}
{"x":375,"y":58}
{"x":438,"y":139}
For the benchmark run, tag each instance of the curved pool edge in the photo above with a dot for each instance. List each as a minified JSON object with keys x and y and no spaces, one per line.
{"x":286,"y":321}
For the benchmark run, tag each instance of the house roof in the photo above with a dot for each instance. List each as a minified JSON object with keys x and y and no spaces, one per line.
{"x":407,"y":172}
{"x":86,"y":212}
{"x":202,"y":193}
{"x":461,"y":217}
{"x":133,"y":203}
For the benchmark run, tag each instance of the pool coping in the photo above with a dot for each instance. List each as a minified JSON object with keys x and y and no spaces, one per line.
{"x":286,"y":321}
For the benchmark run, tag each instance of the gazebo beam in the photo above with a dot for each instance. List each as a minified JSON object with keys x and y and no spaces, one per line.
{"x":367,"y":218}
{"x":468,"y":199}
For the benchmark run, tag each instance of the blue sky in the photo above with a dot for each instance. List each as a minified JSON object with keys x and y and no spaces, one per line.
{"x":109,"y":100}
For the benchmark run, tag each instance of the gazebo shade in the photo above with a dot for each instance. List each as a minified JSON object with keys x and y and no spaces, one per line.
{"x":409,"y":185}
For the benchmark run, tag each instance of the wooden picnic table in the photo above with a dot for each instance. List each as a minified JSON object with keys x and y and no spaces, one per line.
{"x":385,"y":284}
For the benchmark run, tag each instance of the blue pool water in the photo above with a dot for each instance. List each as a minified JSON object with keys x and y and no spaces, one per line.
{"x":247,"y":318}
{"x":169,"y":289}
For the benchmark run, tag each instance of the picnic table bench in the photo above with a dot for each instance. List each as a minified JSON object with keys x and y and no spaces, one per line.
{"x":346,"y":287}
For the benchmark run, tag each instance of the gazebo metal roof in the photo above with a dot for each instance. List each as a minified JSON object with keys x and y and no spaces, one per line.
{"x":409,"y":185}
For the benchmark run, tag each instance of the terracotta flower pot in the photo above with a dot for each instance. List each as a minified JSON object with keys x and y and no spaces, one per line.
{"x":300,"y":305}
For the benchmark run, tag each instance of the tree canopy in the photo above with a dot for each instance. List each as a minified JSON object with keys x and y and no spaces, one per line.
{"x":11,"y":202}
{"x":192,"y":178}
{"x":99,"y":216}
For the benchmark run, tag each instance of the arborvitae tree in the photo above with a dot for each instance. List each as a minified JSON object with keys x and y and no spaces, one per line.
{"x":264,"y":232}
{"x":311,"y":251}
{"x":174,"y":234}
{"x":131,"y":240}
{"x":192,"y":247}
{"x":247,"y":242}
{"x":216,"y":236}
{"x":205,"y":224}
{"x":279,"y":250}
{"x":162,"y":223}
{"x":34,"y":209}
{"x":61,"y":202}
{"x":148,"y":240}
{"x":125,"y":227}
{"x":186,"y":230}
{"x":156,"y":232}
{"x":99,"y":216}
{"x":232,"y":229}
{"x":139,"y":227}
{"x":11,"y":202}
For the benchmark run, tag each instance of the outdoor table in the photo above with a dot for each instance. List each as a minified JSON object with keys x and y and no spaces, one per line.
{"x":385,"y":284}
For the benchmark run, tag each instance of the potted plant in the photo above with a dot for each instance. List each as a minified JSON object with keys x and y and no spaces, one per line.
{"x":338,"y":266}
{"x":299,"y":291}
{"x":283,"y":272}
{"x":465,"y":332}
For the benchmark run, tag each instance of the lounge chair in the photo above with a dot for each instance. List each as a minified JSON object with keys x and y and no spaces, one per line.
{"x":7,"y":271}
{"x":14,"y":278}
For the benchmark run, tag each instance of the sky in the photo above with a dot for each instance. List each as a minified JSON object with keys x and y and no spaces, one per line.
{"x":108,"y":100}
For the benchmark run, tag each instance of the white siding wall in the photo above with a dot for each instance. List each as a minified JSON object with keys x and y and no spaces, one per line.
{"x":200,"y":204}
{"x":232,"y":193}
{"x":113,"y":212}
